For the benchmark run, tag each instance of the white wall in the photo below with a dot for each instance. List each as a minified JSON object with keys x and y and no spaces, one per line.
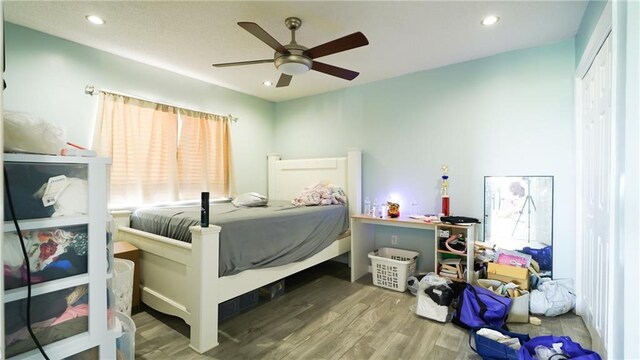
{"x":509,"y":114}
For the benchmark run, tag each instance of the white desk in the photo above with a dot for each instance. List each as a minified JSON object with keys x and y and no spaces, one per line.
{"x":363,"y":238}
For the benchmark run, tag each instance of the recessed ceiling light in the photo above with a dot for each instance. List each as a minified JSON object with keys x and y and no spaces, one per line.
{"x":490,"y":20}
{"x":94,"y":19}
{"x":267,"y":83}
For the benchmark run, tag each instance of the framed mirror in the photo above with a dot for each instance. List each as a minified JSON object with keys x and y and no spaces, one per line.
{"x":518,"y":215}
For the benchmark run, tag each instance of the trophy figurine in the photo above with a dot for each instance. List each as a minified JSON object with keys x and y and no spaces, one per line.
{"x":443,"y":191}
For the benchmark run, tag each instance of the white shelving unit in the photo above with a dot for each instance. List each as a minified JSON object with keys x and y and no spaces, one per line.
{"x":467,"y":259}
{"x":102,"y":328}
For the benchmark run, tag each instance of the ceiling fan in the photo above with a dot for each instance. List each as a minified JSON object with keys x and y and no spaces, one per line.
{"x":295,"y":59}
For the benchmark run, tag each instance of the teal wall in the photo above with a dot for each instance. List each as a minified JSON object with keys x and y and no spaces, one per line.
{"x":46,"y":77}
{"x":588,"y":24}
{"x":509,"y":114}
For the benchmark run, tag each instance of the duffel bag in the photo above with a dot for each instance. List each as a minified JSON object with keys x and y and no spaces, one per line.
{"x":478,"y":307}
{"x":570,"y":348}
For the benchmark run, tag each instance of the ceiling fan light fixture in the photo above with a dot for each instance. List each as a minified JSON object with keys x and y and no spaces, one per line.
{"x":293,"y":63}
{"x":293,"y":68}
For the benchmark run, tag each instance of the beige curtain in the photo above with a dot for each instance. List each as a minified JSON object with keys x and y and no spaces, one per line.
{"x":141,"y":139}
{"x":203,"y":155}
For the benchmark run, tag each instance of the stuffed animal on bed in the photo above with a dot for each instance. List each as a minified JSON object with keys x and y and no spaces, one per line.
{"x":393,"y":209}
{"x":322,"y":193}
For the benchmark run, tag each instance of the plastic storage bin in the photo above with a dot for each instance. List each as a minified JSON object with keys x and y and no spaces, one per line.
{"x":233,"y":307}
{"x":126,"y":343}
{"x":123,"y":281}
{"x":392,"y":267}
{"x":61,"y":314}
{"x":54,"y":253}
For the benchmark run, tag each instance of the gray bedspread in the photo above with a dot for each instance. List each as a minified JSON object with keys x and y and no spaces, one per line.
{"x":257,"y":237}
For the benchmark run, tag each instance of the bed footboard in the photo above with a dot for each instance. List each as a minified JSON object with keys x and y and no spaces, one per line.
{"x":179,"y":278}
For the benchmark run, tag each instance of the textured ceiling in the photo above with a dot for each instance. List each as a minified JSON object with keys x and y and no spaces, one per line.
{"x":404,"y":37}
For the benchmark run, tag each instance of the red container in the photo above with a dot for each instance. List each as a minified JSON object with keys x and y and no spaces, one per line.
{"x":445,"y":205}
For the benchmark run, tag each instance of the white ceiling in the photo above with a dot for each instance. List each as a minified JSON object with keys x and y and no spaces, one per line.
{"x":404,"y":37}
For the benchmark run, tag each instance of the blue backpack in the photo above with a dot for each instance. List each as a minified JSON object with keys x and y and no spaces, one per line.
{"x":478,"y":307}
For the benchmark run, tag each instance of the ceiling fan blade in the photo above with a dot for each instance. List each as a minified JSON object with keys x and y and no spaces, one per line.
{"x":243,"y":63}
{"x":251,"y":62}
{"x":334,"y":70}
{"x":284,"y":80}
{"x":259,"y":32}
{"x":348,"y":42}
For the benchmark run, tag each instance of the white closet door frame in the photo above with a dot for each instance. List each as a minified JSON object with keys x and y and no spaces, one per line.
{"x":632,"y":183}
{"x":1,"y":195}
{"x":585,"y":282}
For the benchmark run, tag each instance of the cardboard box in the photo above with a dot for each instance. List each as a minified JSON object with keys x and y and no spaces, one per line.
{"x":506,"y":273}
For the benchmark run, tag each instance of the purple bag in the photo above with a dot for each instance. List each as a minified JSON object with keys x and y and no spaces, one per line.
{"x":569,"y":347}
{"x":478,"y":307}
{"x":542,"y":256}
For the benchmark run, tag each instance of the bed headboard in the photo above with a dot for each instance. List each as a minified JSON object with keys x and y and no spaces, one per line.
{"x":287,"y":178}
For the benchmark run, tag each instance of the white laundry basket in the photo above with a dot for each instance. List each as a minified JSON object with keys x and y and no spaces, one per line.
{"x":392,"y":267}
{"x":126,"y":343}
{"x":123,"y":281}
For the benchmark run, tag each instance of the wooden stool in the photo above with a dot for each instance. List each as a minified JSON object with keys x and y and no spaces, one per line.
{"x":124,"y":250}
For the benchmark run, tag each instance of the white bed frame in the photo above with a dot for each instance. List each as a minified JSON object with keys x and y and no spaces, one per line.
{"x":181,"y":279}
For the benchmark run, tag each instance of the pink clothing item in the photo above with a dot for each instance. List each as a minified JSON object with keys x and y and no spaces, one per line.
{"x":72,"y":312}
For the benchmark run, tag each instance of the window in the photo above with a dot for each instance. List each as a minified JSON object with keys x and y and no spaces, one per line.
{"x":161,"y":153}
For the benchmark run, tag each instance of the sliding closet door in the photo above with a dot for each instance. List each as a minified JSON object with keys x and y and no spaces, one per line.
{"x":597,"y":197}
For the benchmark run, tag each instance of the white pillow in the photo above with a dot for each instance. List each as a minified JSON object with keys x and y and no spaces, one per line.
{"x":250,"y":199}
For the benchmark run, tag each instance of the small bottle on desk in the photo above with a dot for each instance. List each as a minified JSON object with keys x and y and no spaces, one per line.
{"x":367,"y":206}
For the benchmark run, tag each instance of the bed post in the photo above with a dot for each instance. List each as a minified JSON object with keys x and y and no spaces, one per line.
{"x":271,"y":173}
{"x":121,"y":218}
{"x":354,"y":176}
{"x":202,"y":277}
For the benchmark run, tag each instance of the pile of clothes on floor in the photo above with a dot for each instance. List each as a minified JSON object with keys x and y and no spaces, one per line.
{"x":485,"y":309}
{"x":508,"y":287}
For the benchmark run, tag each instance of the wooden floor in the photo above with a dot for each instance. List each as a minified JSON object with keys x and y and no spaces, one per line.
{"x":324,"y":316}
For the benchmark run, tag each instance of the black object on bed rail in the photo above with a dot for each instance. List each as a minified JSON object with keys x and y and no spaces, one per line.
{"x":204,"y":210}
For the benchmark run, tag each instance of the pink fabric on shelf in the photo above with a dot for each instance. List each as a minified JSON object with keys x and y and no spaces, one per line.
{"x":513,"y":260}
{"x":72,"y":312}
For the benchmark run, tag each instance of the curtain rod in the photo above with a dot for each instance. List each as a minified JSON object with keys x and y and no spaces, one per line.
{"x":91,"y":90}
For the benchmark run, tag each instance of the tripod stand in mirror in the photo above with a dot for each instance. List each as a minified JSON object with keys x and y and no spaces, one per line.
{"x":518,"y":215}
